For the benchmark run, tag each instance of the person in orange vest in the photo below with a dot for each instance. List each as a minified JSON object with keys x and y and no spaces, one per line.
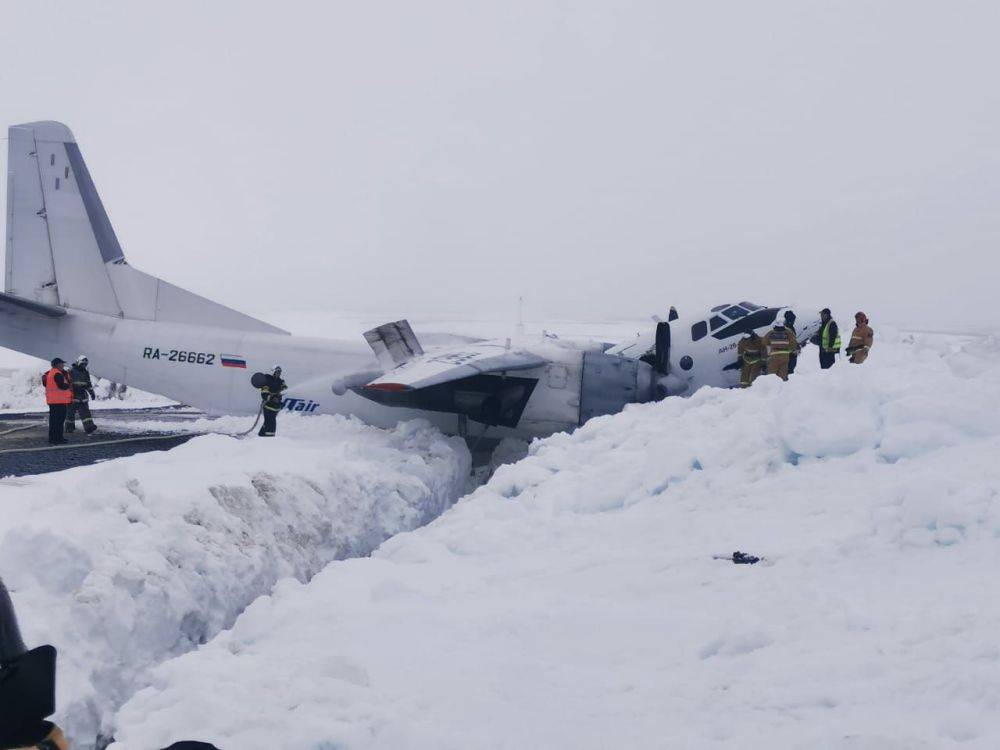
{"x":58,"y":395}
{"x":861,"y":339}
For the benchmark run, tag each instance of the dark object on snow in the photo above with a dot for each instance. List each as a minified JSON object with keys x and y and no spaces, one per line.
{"x":191,"y":745}
{"x":27,"y":683}
{"x":739,"y":558}
{"x":259,"y":380}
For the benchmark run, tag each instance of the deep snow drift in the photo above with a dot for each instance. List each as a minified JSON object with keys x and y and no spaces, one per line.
{"x":573,"y":601}
{"x":123,"y":564}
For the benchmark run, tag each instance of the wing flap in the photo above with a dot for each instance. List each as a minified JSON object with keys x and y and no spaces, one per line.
{"x":455,"y":364}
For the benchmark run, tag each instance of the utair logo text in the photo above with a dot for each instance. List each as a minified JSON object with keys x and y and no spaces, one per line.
{"x":299,"y":404}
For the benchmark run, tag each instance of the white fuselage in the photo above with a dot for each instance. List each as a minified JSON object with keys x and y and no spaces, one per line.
{"x":184,"y":362}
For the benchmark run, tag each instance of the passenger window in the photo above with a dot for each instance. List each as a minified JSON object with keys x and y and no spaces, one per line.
{"x":720,"y":307}
{"x":735,"y":312}
{"x":717,"y":322}
{"x":699,"y":330}
{"x":750,"y":306}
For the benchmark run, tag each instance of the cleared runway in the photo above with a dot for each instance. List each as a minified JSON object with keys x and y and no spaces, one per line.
{"x":24,"y":448}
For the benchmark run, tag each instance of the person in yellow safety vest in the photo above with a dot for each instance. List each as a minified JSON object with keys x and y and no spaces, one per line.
{"x":58,"y":396}
{"x":751,"y":352}
{"x":779,"y":344}
{"x":828,"y":339}
{"x":861,"y":339}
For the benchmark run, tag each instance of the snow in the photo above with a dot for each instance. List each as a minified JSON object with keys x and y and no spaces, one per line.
{"x":124,"y":564}
{"x":573,"y":600}
{"x":21,"y":390}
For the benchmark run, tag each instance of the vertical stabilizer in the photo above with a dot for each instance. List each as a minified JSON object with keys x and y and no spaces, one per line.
{"x":62,"y":249}
{"x":59,"y":237}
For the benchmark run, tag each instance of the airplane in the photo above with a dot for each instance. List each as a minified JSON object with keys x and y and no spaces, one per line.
{"x":68,"y":288}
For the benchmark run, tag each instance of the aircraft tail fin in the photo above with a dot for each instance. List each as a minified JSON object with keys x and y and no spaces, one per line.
{"x":62,"y":250}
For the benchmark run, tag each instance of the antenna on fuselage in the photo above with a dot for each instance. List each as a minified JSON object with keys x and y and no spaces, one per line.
{"x":520,"y":316}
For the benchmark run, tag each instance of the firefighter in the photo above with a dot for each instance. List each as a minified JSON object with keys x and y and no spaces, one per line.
{"x":83,"y":391}
{"x":779,"y":344}
{"x":793,"y":358}
{"x":270,"y":394}
{"x":751,"y":351}
{"x":861,"y":339}
{"x":58,"y":395}
{"x":828,"y":339}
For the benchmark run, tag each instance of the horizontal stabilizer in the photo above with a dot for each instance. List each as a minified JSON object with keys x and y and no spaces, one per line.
{"x":455,"y":364}
{"x":40,"y":308}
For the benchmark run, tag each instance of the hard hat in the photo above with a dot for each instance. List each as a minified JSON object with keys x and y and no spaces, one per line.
{"x":81,"y":360}
{"x":277,"y":368}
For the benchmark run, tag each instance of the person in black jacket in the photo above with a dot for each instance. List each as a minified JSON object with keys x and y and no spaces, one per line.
{"x":270,"y":394}
{"x":27,"y":688}
{"x":83,"y":391}
{"x":793,"y":358}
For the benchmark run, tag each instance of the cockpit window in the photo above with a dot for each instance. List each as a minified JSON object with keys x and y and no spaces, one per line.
{"x":750,"y":306}
{"x":717,"y":322}
{"x":735,"y":312}
{"x":720,"y":307}
{"x":699,"y":330}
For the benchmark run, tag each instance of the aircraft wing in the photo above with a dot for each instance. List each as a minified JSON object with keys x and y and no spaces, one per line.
{"x":443,"y":366}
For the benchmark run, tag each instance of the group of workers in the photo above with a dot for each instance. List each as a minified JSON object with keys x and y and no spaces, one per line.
{"x":68,"y":391}
{"x":777,"y":351}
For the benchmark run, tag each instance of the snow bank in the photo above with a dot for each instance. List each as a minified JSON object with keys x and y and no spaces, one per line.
{"x":123,"y":564}
{"x":22,"y":390}
{"x":573,"y":602}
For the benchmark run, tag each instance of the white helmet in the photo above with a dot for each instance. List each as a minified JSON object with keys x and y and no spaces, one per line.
{"x":81,"y":360}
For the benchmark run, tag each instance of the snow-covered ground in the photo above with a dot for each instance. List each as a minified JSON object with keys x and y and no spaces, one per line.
{"x":573,"y":602}
{"x":124,"y":564}
{"x":21,"y":390}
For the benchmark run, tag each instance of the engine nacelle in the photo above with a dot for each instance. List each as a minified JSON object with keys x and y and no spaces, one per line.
{"x":611,"y":382}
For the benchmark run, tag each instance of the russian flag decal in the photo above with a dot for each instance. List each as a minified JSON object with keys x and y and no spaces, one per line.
{"x":232,"y":360}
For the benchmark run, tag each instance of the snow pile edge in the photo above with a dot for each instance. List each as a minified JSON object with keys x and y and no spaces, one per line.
{"x":573,"y":601}
{"x":123,"y":564}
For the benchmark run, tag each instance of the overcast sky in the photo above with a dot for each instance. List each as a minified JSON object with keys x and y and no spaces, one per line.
{"x":600,"y":159}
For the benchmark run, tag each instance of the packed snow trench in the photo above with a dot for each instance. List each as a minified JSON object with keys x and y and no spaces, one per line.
{"x":573,"y":602}
{"x":124,"y":564}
